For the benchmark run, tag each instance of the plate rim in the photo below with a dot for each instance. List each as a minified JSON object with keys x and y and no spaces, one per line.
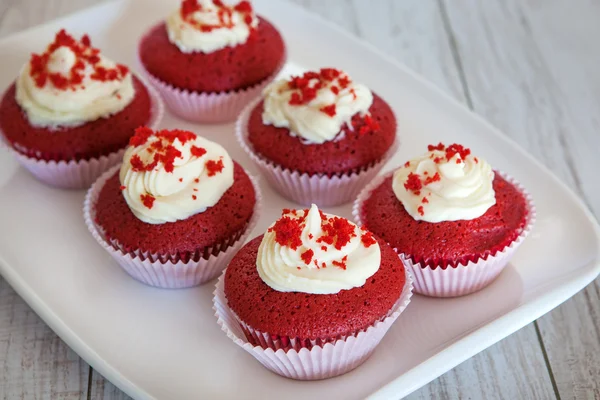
{"x":486,"y":334}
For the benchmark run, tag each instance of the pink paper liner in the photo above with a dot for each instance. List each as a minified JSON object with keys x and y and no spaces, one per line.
{"x":321,"y":361}
{"x":206,"y":107}
{"x":462,"y":279}
{"x":167,"y":271}
{"x":81,"y":174}
{"x":303,"y":188}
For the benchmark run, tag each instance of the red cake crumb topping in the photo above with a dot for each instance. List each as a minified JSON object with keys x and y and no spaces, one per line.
{"x":329,"y":110}
{"x":122,"y":187}
{"x":214,"y":166}
{"x":454,"y":149}
{"x":194,"y":197}
{"x":337,"y":231}
{"x":198,"y":151}
{"x":224,"y":12}
{"x":407,"y":164}
{"x":307,"y":256}
{"x":413,"y":183}
{"x":440,"y":146}
{"x":367,"y":239}
{"x":147,"y":200}
{"x":84,"y":53}
{"x":310,"y":82}
{"x":364,"y":124}
{"x":340,"y":264}
{"x":162,"y":147}
{"x":287,"y":232}
{"x":431,"y":179}
{"x":424,"y":200}
{"x":420,"y":210}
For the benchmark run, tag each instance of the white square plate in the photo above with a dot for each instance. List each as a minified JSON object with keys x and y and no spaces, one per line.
{"x":166,"y":344}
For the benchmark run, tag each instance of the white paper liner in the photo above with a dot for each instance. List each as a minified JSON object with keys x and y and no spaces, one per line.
{"x":207,"y":107}
{"x":321,"y":361}
{"x":303,"y":188}
{"x":462,"y":279}
{"x":81,"y":174}
{"x":164,"y":272}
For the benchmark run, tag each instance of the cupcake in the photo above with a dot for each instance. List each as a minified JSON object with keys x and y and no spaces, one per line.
{"x":175,"y":211}
{"x":313,"y":296}
{"x":70,"y":113}
{"x":454,"y":221}
{"x":209,"y":59}
{"x":319,"y":137}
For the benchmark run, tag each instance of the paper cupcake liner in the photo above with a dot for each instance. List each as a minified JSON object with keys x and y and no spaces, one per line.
{"x":321,"y":361}
{"x":462,"y":279}
{"x":303,"y":188}
{"x":81,"y":174}
{"x":169,"y":271}
{"x":207,"y":107}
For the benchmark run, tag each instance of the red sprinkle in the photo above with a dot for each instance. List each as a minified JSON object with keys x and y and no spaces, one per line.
{"x":307,"y":256}
{"x":214,"y":167}
{"x":147,"y":200}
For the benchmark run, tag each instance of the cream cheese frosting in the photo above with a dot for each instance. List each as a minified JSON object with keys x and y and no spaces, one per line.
{"x":445,"y":184}
{"x":312,"y":252}
{"x":210,"y":25}
{"x":168,"y":176}
{"x":316,"y":105}
{"x":71,"y":83}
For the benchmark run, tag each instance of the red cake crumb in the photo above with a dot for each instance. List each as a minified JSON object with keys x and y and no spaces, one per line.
{"x":90,"y":140}
{"x":83,"y":52}
{"x":214,"y":167}
{"x":287,"y":232}
{"x":224,"y":12}
{"x":198,"y":151}
{"x":413,"y":183}
{"x":286,"y":315}
{"x":147,"y":200}
{"x":329,"y":110}
{"x":353,"y":152}
{"x":307,"y":256}
{"x":231,"y":68}
{"x":185,"y":239}
{"x":446,"y":243}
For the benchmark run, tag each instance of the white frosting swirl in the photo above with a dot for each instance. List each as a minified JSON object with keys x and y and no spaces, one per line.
{"x":310,"y":120}
{"x":51,"y":106}
{"x":463,"y":191}
{"x":286,"y":269}
{"x":191,"y":187}
{"x":210,"y":27}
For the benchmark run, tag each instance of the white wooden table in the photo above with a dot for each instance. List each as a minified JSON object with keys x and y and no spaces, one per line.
{"x":531,"y":67}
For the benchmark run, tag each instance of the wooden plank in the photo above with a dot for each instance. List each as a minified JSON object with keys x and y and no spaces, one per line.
{"x":531,"y":68}
{"x":34,"y":362}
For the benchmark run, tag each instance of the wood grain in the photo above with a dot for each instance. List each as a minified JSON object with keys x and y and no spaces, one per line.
{"x":531,"y":69}
{"x":34,"y":362}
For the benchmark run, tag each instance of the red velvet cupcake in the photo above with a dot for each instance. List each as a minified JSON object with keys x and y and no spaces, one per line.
{"x":69,"y":115}
{"x":314,"y":293}
{"x":209,"y":59}
{"x":455,"y":222}
{"x":176,"y":210}
{"x":319,"y":137}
